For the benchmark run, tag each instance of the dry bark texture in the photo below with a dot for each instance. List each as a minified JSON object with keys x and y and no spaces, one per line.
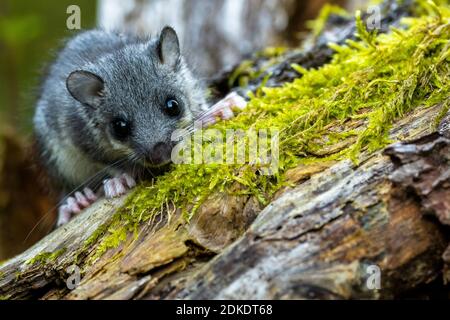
{"x":315,"y":240}
{"x":226,"y":30}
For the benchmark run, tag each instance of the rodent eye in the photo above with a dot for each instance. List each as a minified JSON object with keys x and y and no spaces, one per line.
{"x":121,"y":128}
{"x":172,"y":107}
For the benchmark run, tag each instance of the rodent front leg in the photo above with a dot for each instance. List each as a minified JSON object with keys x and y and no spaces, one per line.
{"x":81,"y":200}
{"x":223,"y":108}
{"x":118,"y":186}
{"x":74,"y":205}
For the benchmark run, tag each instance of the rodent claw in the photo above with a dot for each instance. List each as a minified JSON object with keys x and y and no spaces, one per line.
{"x":74,"y":205}
{"x":223,"y":108}
{"x":81,"y":199}
{"x":90,"y":195}
{"x":64,"y":215}
{"x":129,"y":180}
{"x":118,"y":186}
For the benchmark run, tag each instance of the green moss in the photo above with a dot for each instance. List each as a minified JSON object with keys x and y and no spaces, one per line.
{"x":117,"y":233}
{"x":362,"y":32}
{"x":444,"y":111}
{"x":317,"y":25}
{"x":40,"y":258}
{"x":248,"y":71}
{"x":46,"y":257}
{"x":242,"y":74}
{"x":96,"y":236}
{"x":373,"y":82}
{"x":272,"y":52}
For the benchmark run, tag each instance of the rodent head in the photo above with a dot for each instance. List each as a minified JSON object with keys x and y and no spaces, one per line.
{"x":134,"y":99}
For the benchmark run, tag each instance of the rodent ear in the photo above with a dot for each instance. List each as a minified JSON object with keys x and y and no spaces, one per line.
{"x":169,"y":47}
{"x":85,"y":87}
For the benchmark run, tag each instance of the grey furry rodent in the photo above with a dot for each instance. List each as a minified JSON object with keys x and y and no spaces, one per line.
{"x":108,"y":107}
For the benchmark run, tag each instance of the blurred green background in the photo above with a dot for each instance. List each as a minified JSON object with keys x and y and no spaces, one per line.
{"x":31,"y":32}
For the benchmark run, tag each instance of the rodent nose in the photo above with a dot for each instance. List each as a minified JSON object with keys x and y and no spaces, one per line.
{"x":160,"y":153}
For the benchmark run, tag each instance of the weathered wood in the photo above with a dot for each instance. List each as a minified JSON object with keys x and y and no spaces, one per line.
{"x":315,"y":240}
{"x":313,"y":55}
{"x":226,"y":30}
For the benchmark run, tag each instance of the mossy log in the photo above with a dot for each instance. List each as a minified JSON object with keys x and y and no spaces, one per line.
{"x":314,"y":240}
{"x":321,"y":236}
{"x":250,"y":25}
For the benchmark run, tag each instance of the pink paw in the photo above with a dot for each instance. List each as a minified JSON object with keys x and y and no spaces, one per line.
{"x":74,"y":205}
{"x":223,"y":108}
{"x":118,"y":186}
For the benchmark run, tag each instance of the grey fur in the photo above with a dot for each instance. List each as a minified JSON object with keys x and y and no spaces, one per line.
{"x":73,"y":129}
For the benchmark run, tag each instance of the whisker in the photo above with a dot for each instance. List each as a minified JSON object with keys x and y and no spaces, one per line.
{"x":45,"y":216}
{"x":132,"y":158}
{"x":199,"y":117}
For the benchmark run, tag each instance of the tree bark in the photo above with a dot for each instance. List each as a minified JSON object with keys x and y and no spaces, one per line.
{"x":316,"y":240}
{"x":226,"y":30}
{"x":336,"y":233}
